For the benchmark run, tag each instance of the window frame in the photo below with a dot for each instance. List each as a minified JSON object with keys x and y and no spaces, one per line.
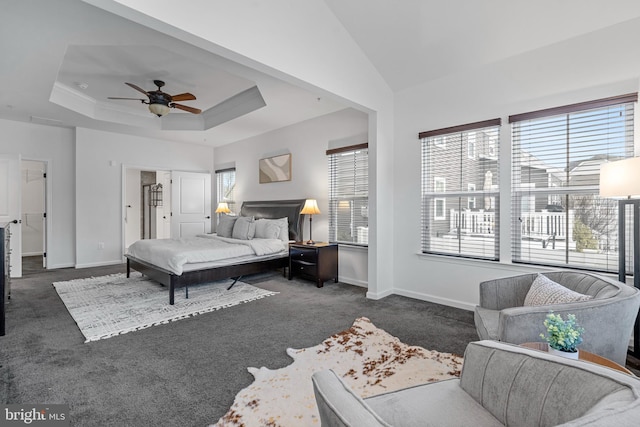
{"x":440,"y":226}
{"x":569,"y":194}
{"x":220,"y":175}
{"x":338,"y":197}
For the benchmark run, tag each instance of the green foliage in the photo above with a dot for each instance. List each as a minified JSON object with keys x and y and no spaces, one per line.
{"x":583,"y":236}
{"x":563,"y":335}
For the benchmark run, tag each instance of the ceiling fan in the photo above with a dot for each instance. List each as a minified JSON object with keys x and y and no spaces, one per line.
{"x":160,"y":102}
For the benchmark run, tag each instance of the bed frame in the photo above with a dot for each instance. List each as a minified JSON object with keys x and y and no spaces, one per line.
{"x":272,"y":209}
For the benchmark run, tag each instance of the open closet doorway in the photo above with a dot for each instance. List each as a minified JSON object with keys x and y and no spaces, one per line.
{"x":33,"y":190}
{"x":147,"y":205}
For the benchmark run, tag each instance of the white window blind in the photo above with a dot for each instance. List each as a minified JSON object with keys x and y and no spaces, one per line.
{"x":349,"y":194}
{"x":558,"y":216}
{"x":460,"y":176}
{"x":226,"y":183}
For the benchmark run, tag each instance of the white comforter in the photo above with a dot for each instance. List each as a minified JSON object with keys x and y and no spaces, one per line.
{"x":173,"y":254}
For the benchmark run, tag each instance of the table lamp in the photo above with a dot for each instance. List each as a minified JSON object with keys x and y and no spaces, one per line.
{"x":310,"y":208}
{"x":223,"y":207}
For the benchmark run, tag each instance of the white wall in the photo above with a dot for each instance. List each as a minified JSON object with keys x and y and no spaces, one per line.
{"x":307,"y":142}
{"x":100,"y":157}
{"x":56,"y":146}
{"x":591,"y":67}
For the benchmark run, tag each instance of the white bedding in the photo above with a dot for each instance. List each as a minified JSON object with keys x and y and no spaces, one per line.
{"x":174,"y":254}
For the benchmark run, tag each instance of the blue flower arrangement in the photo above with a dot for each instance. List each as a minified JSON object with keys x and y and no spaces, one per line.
{"x":563,"y":335}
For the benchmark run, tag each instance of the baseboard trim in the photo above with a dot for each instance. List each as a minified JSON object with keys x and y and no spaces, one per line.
{"x":98,"y":264}
{"x":438,"y":300}
{"x":54,"y":266}
{"x":354,"y":282}
{"x":379,"y":295}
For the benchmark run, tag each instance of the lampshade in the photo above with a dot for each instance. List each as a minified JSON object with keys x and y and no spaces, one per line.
{"x":310,"y":207}
{"x":620,"y":179}
{"x":223,"y":207}
{"x":159,"y":109}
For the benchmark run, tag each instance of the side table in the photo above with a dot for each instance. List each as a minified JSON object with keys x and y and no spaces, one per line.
{"x":317,"y":262}
{"x":582,"y":355}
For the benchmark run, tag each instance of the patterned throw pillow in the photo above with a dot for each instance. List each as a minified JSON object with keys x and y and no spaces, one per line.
{"x":545,"y":291}
{"x":244,"y":228}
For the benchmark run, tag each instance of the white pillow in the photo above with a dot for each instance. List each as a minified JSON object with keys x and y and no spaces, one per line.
{"x":267,"y":229}
{"x":283,"y":223}
{"x":545,"y":291}
{"x":244,"y":228}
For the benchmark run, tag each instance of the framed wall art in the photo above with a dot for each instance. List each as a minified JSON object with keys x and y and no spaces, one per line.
{"x":275,"y":169}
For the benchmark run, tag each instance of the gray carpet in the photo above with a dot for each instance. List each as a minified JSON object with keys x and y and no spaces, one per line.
{"x":187,"y":373}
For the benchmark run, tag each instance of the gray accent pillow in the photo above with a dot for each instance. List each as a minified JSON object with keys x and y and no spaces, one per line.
{"x":244,"y":228}
{"x":225,"y":226}
{"x":267,"y":229}
{"x":544,"y":291}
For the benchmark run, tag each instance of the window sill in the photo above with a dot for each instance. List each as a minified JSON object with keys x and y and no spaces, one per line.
{"x":353,"y":246}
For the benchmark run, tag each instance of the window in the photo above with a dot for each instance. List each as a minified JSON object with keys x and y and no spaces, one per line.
{"x":471,"y":145}
{"x":439,"y":203}
{"x":349,"y":194}
{"x":453,"y":176}
{"x":225,"y":184}
{"x":471,"y":202}
{"x":558,"y":216}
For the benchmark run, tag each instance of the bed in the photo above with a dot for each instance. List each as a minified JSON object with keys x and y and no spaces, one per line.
{"x":244,"y":265}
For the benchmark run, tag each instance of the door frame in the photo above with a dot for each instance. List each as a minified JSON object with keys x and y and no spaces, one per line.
{"x":123,"y":188}
{"x":47,"y":205}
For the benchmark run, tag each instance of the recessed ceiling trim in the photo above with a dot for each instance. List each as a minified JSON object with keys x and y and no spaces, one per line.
{"x":72,"y":99}
{"x":238,"y":105}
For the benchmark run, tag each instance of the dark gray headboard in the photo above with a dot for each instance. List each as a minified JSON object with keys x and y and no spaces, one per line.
{"x":274,"y":209}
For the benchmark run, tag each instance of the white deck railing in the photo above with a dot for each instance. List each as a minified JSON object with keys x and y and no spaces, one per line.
{"x":534,"y":225}
{"x":473,"y":222}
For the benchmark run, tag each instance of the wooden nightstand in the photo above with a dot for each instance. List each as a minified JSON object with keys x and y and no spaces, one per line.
{"x":317,"y":262}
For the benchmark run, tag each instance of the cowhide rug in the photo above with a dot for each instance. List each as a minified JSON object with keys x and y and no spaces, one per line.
{"x":370,"y":360}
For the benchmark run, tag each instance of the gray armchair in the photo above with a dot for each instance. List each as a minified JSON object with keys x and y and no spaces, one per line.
{"x":608,"y":318}
{"x":501,"y":384}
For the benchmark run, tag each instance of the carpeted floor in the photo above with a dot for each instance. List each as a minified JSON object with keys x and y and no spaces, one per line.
{"x":187,"y":373}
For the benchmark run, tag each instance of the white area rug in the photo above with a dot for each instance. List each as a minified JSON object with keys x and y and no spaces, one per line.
{"x":107,"y":306}
{"x":369,"y":359}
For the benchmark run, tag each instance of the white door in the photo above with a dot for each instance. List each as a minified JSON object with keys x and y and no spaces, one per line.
{"x":132,"y":207}
{"x":190,"y":204}
{"x":10,"y":208}
{"x":165,"y":224}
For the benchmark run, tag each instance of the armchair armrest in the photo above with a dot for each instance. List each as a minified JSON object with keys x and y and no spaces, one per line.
{"x":339,"y":406}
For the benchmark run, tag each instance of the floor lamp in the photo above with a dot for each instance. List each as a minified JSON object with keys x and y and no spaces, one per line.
{"x":310,"y":208}
{"x":621,"y":180}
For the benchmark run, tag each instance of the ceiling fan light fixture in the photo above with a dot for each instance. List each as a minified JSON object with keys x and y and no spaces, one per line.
{"x":159,"y":109}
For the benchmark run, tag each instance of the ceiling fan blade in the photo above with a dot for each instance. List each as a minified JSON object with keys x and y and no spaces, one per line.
{"x":139,"y":89}
{"x":185,"y":108}
{"x":183,"y":97}
{"x":133,"y":99}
